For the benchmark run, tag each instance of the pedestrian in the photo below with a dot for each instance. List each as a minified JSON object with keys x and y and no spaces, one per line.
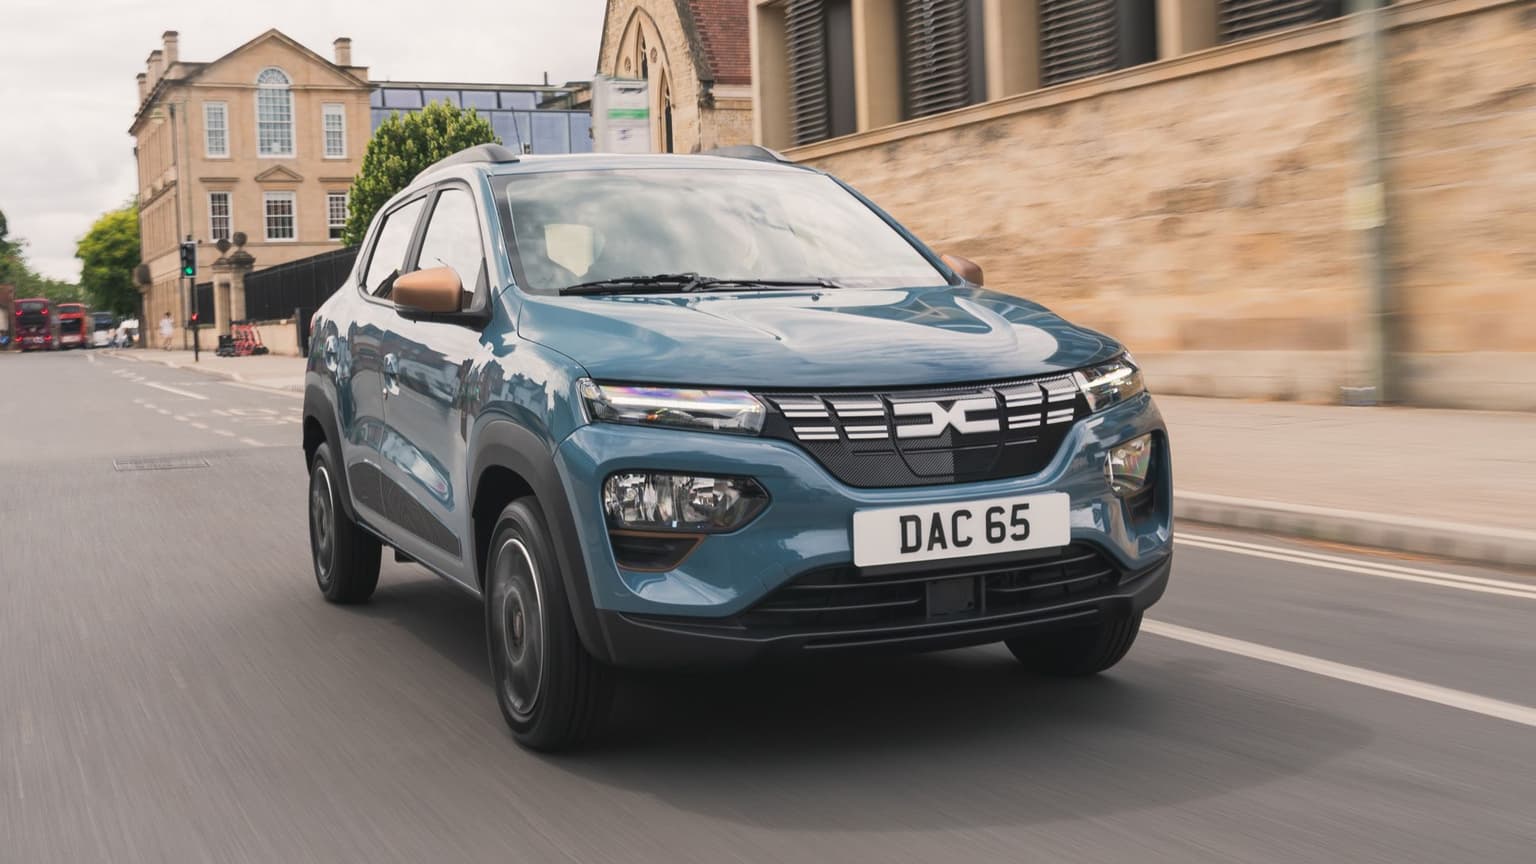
{"x":165,"y":332}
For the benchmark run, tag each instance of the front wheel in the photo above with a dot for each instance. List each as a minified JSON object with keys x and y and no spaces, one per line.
{"x":345,"y":555}
{"x":552,"y":693}
{"x":1080,"y":651}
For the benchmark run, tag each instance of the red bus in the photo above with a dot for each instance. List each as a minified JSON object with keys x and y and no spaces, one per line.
{"x":34,"y":324}
{"x":74,"y":326}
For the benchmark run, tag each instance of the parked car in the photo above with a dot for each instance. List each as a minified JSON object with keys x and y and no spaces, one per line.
{"x":674,"y":410}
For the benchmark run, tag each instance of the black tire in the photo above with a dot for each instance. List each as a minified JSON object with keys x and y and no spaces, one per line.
{"x":552,"y":693}
{"x":346,"y":557}
{"x":1081,"y":651}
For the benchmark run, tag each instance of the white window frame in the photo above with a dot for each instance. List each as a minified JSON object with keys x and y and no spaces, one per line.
{"x":266,"y":227}
{"x":327,"y":111}
{"x":229,"y":213}
{"x":293,"y":130}
{"x":208,"y":110}
{"x":346,"y":211}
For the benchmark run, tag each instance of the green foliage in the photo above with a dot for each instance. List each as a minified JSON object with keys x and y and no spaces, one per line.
{"x":402,"y":146}
{"x":14,"y":270}
{"x":108,"y":254}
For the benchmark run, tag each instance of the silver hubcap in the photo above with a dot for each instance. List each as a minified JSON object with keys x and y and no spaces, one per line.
{"x":321,"y":523}
{"x":517,"y":624}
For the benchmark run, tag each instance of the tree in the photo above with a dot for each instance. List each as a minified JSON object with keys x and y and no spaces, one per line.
{"x":402,"y":146}
{"x":108,"y":253}
{"x":14,"y":270}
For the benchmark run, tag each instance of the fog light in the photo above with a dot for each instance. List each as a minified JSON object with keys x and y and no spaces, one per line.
{"x":648,"y":501}
{"x":1129,"y":465}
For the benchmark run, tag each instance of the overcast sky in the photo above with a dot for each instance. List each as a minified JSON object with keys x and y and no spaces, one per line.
{"x":67,"y":86}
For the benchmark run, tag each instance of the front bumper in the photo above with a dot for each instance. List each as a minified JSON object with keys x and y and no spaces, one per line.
{"x":710,"y":608}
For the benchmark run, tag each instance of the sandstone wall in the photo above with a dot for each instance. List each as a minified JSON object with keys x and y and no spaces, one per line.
{"x":1199,"y":208}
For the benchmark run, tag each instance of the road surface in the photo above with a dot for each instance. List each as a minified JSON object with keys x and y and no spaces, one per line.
{"x":174,"y":689}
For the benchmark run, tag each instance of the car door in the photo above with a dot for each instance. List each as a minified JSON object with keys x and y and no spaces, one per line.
{"x":359,"y":364}
{"x":426,"y":363}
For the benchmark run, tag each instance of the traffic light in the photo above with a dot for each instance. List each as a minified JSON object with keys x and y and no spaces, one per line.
{"x":188,"y":258}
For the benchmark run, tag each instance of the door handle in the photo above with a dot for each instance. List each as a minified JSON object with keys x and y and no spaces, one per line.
{"x":391,"y":375}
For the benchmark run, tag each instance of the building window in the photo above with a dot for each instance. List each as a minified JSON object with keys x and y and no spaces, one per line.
{"x":1241,"y":19}
{"x":335,"y":117}
{"x":943,"y":54}
{"x":216,"y":130}
{"x":274,"y":114}
{"x":218,"y":216}
{"x":1079,"y":38}
{"x":281,"y":218}
{"x":335,"y":213}
{"x":819,"y":36}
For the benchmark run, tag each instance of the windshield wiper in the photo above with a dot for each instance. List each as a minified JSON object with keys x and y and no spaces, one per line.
{"x":686,"y":283}
{"x":630,"y":284}
{"x":710,"y":283}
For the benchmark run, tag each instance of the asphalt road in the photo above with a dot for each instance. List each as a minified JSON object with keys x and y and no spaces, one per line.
{"x":172,"y":688}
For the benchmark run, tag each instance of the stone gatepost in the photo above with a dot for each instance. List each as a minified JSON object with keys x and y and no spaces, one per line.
{"x":220,"y":268}
{"x":240,"y":263}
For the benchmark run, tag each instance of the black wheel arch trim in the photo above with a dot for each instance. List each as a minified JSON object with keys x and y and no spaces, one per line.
{"x":317,"y":405}
{"x":507,"y":444}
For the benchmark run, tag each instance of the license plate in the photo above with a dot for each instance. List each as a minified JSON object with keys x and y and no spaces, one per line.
{"x":901,"y":535}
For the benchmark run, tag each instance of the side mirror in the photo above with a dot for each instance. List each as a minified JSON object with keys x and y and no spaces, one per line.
{"x":965,"y":268}
{"x":436,"y":290}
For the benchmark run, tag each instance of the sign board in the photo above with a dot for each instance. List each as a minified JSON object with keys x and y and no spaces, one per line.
{"x":621,"y":115}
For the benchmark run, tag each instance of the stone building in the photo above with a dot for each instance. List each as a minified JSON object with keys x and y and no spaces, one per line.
{"x":695,"y":55}
{"x":263,"y":141}
{"x":1188,"y":174}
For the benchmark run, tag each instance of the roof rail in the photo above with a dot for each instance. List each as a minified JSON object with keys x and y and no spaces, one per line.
{"x":748,"y":151}
{"x":470,"y":155}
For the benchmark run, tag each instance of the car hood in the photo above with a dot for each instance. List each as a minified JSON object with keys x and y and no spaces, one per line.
{"x":832,"y":338}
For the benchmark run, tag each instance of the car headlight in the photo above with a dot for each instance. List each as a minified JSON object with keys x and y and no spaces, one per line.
{"x":655,"y":501}
{"x":706,"y":410}
{"x":1110,"y":383}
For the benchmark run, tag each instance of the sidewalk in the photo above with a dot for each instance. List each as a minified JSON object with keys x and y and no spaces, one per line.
{"x":266,"y":370}
{"x":1455,"y":483}
{"x":1461,"y":484}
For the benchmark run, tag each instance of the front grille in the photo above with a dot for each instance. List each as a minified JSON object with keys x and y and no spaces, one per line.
{"x":931,"y":436}
{"x":847,"y":597}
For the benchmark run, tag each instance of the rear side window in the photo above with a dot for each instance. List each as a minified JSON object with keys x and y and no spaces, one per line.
{"x":389,"y":249}
{"x":453,"y":237}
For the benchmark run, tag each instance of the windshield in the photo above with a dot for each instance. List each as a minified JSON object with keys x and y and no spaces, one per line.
{"x":575,"y":227}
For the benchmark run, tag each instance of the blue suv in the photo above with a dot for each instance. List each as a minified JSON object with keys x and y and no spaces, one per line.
{"x":671,"y":410}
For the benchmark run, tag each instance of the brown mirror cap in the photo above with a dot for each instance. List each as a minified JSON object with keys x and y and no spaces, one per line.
{"x":436,"y":289}
{"x":967,"y":269}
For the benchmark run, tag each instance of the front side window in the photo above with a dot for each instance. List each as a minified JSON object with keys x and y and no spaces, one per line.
{"x":582,"y":226}
{"x":218,"y":215}
{"x":274,"y":114}
{"x":281,"y":216}
{"x":388,"y":254}
{"x":335,"y":127}
{"x":335,"y":213}
{"x":216,"y":130}
{"x":453,"y":237}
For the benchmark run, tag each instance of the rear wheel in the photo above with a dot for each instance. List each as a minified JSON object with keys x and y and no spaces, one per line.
{"x":346,"y":557}
{"x":1081,"y":651}
{"x":552,"y":693}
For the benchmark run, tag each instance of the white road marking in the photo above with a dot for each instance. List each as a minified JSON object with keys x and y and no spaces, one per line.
{"x":1514,"y":712}
{"x":1356,"y":565}
{"x":91,"y":358}
{"x":251,"y":441}
{"x":260,"y":389}
{"x":182,"y":418}
{"x":163,"y":411}
{"x":225,"y":432}
{"x":199,"y":425}
{"x":187,"y":393}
